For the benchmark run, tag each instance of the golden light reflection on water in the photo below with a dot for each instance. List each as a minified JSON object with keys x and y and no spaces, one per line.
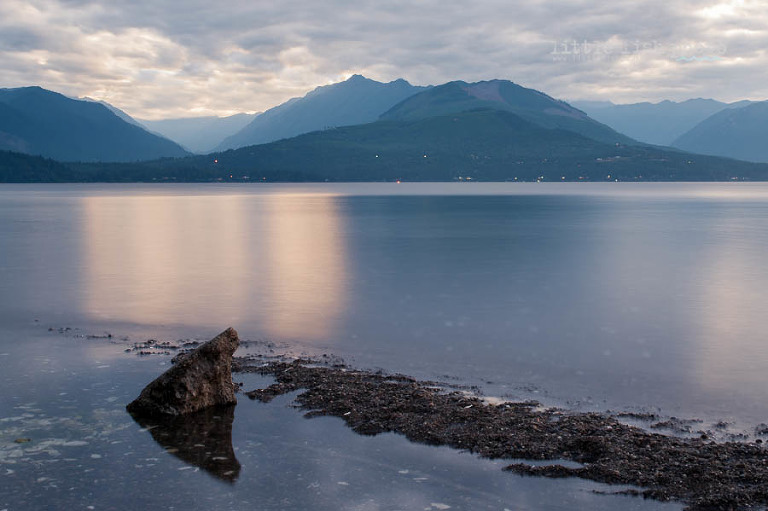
{"x":272,"y":264}
{"x":731,"y":284}
{"x":306,"y":268}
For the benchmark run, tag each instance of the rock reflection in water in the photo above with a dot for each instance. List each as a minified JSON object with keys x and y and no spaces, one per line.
{"x":202,"y":439}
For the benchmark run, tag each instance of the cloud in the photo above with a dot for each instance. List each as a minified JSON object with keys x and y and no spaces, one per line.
{"x":163,"y":58}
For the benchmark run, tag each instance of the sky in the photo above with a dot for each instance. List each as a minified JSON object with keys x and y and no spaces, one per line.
{"x":160,"y":59}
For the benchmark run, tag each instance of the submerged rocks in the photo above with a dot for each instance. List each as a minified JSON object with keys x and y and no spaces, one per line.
{"x":199,"y":379}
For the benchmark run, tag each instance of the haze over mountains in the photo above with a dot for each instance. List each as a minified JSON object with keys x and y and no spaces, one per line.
{"x":480,"y":144}
{"x":734,"y":132}
{"x":199,"y":134}
{"x":530,"y":104}
{"x":41,"y":122}
{"x":357,"y":100}
{"x":112,"y":108}
{"x":654,"y":123}
{"x":491,"y":130}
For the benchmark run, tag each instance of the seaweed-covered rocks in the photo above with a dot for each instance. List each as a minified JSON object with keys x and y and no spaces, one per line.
{"x":703,"y":474}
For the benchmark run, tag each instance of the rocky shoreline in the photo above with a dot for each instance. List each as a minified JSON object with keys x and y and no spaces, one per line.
{"x":698,"y":471}
{"x":703,"y":474}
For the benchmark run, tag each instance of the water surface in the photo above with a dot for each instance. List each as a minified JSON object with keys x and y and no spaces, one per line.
{"x":622,"y":296}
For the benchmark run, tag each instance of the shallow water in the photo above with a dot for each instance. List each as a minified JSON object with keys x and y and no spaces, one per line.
{"x":622,"y":296}
{"x":66,"y":394}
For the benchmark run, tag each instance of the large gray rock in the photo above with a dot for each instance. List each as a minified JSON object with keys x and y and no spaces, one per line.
{"x":198,"y":380}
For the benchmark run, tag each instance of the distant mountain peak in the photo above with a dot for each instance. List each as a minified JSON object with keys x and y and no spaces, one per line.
{"x":27,"y":87}
{"x":488,"y":91}
{"x":530,"y":104}
{"x":658,"y":123}
{"x":30,"y":89}
{"x":358,"y":79}
{"x":46,"y":123}
{"x":356,"y":100}
{"x":735,"y":132}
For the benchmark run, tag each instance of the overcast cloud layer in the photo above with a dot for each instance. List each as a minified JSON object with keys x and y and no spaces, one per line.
{"x":163,"y":58}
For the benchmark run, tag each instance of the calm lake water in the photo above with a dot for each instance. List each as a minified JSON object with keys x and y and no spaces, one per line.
{"x":628,"y":297}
